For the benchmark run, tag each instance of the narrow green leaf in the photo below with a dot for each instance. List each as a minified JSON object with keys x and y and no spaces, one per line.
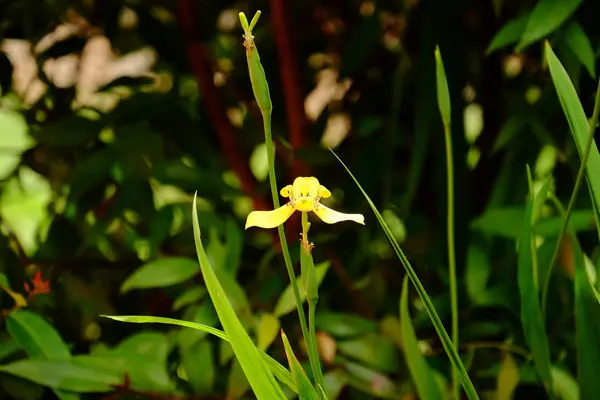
{"x":161,"y":273}
{"x":545,"y":18}
{"x":260,"y":378}
{"x":70,"y":375}
{"x":305,"y":388}
{"x":531,"y":313}
{"x":427,"y":387}
{"x":587,"y":326}
{"x":278,"y":370}
{"x":435,"y":319}
{"x":579,"y":126}
{"x":443,"y":95}
{"x":510,"y":33}
{"x":581,"y":46}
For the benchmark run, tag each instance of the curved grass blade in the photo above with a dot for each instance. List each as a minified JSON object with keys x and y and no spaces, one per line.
{"x":427,"y":387}
{"x":587,"y":320}
{"x":443,"y":98}
{"x":587,"y":326}
{"x":435,"y":319}
{"x":276,"y":368}
{"x":580,"y":127}
{"x":306,"y":391}
{"x":583,"y":135}
{"x":260,"y":378}
{"x":531,"y":314}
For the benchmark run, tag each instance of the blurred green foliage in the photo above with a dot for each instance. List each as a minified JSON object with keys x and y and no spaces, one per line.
{"x":113,"y":113}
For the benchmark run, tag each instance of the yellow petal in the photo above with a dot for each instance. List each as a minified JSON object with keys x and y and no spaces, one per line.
{"x":269,"y":219}
{"x":286,"y":191}
{"x":324,"y":192}
{"x":305,"y":186}
{"x":331,"y":216}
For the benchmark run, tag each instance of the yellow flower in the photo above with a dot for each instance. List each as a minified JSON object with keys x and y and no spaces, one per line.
{"x":305,"y":195}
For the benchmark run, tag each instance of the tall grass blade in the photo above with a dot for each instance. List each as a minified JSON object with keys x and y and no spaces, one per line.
{"x":422,"y":376}
{"x":260,"y":378}
{"x":306,"y":391}
{"x":583,"y":135}
{"x":531,"y":314}
{"x":443,"y":98}
{"x":435,"y":319}
{"x":587,"y":322}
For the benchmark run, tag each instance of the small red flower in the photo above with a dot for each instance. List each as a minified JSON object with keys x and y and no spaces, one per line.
{"x":39,"y":285}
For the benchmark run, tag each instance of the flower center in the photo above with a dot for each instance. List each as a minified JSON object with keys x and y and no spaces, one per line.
{"x":304,"y":203}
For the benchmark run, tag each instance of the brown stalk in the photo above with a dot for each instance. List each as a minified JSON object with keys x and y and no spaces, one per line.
{"x":290,"y":78}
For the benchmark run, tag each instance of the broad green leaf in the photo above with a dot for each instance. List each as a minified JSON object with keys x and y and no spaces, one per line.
{"x":287,"y":303}
{"x":546,"y":17}
{"x":36,"y":336}
{"x":587,"y":326}
{"x":362,"y":378}
{"x":507,"y":222}
{"x":335,"y":381}
{"x":421,"y":373}
{"x":237,"y":383}
{"x":188,"y":297}
{"x":477,"y":274}
{"x":24,"y":207}
{"x":93,"y":171}
{"x":70,"y":131}
{"x":344,"y":325}
{"x":161,"y":273}
{"x":8,"y":347}
{"x":14,"y":140}
{"x":39,"y":339}
{"x":580,"y":128}
{"x":184,"y":177}
{"x":510,"y":33}
{"x":565,"y":385}
{"x":259,"y":376}
{"x":581,"y":46}
{"x":277,"y":369}
{"x":145,"y":355}
{"x":531,"y":314}
{"x":74,"y":374}
{"x":16,"y":388}
{"x":431,"y":312}
{"x":306,"y":391}
{"x":508,"y":378}
{"x":235,"y":244}
{"x":268,"y":329}
{"x":202,"y":314}
{"x":373,"y":349}
{"x":258,"y":162}
{"x":199,"y":365}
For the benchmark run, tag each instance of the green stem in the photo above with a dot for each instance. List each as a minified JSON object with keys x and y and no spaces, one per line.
{"x":578,"y":181}
{"x":308,"y":271}
{"x":283,"y":240}
{"x":451,"y":255}
{"x":314,"y":350}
